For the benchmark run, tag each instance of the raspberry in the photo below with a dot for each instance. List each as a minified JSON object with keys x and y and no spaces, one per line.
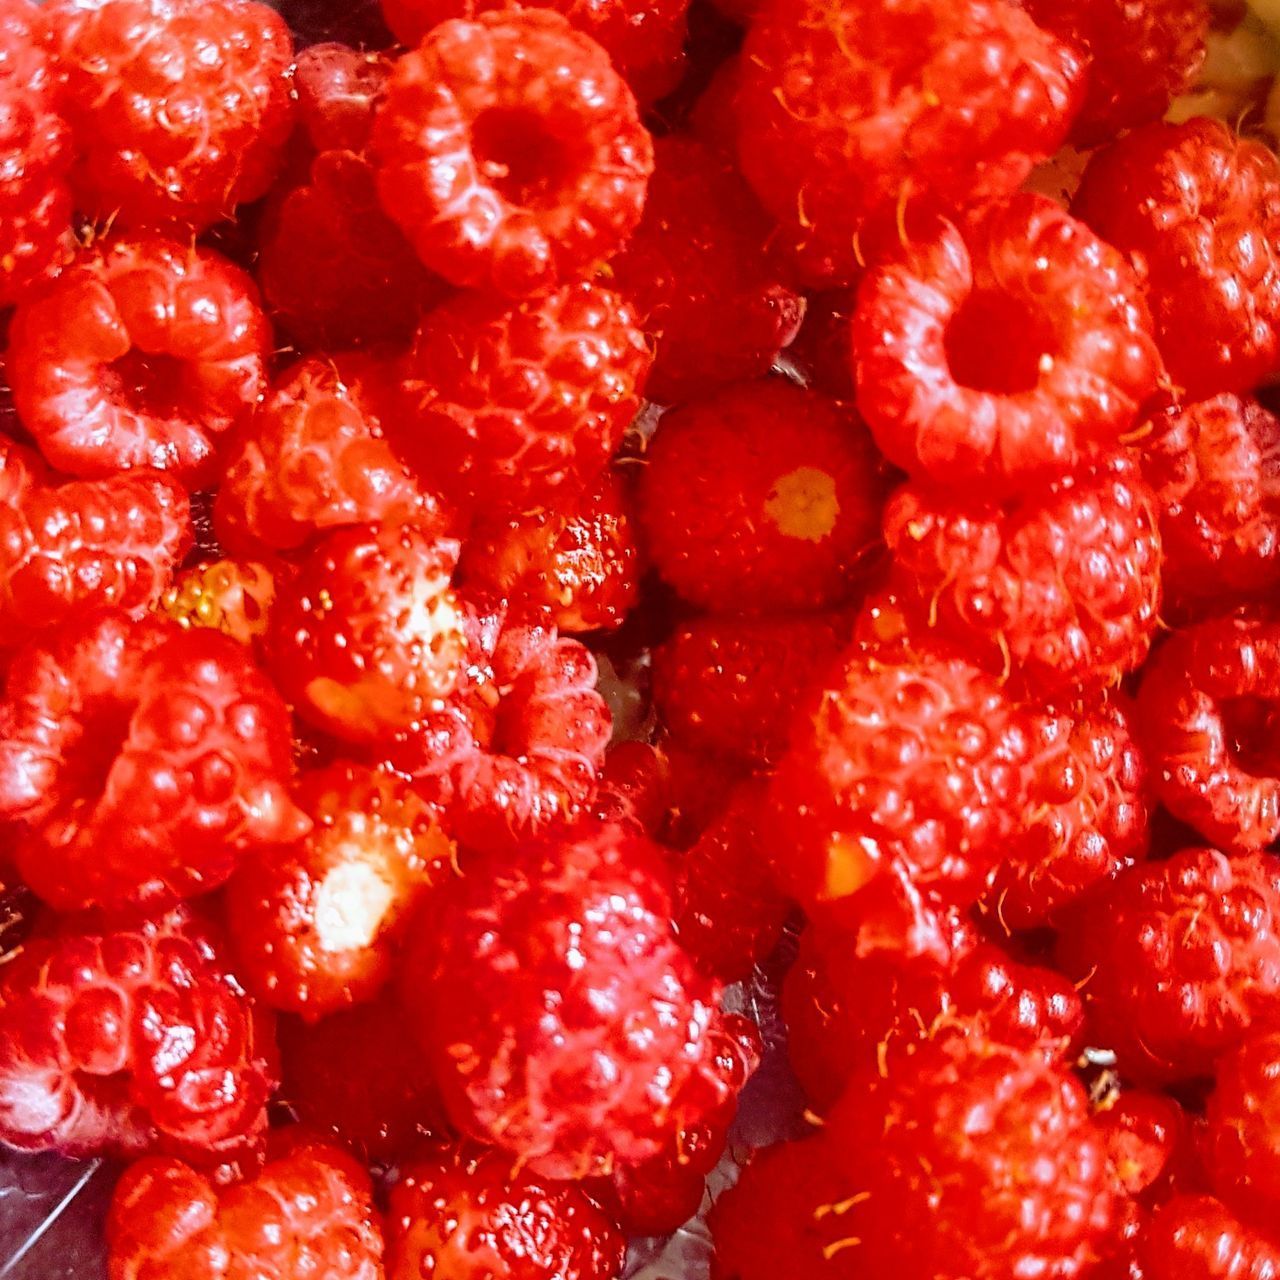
{"x":231,"y":596}
{"x":464,"y":1214}
{"x":1141,"y":56}
{"x":125,"y":1038}
{"x":356,"y":1076}
{"x":1212,"y":467}
{"x":821,"y":347}
{"x":1197,"y":209}
{"x":633,"y":787}
{"x":519,"y":403}
{"x":308,"y":1213}
{"x":368,"y":636}
{"x":905,"y":782}
{"x":643,"y":38}
{"x":1241,"y":1150}
{"x":1148,"y":1139}
{"x":1197,"y":1238}
{"x":1179,"y":961}
{"x":511,"y":153}
{"x":141,"y":760}
{"x":1012,"y":351}
{"x":313,"y":457}
{"x":69,"y":547}
{"x":1206,"y":705}
{"x":697,"y":274}
{"x":761,"y":498}
{"x":565,"y":1022}
{"x":35,"y":156}
{"x":846,"y":113}
{"x":338,"y":89}
{"x":142,"y":355}
{"x":315,"y":925}
{"x":575,"y":567}
{"x":1062,"y":585}
{"x":180,"y":107}
{"x":1089,"y":816}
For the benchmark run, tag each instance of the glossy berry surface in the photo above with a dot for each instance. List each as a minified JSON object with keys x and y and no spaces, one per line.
{"x":1195,"y":1237}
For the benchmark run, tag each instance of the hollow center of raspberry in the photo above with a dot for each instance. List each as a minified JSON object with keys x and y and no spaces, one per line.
{"x":150,"y":383}
{"x":88,"y":766}
{"x":998,"y":343}
{"x":1253,"y":730}
{"x":521,"y":157}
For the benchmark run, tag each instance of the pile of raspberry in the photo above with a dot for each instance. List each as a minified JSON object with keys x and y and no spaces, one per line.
{"x":524,"y":521}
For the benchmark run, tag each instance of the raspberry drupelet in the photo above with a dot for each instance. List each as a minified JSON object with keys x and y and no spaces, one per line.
{"x":1207,"y":708}
{"x":566,"y":1024}
{"x":231,"y":596}
{"x":1197,"y":210}
{"x":143,"y":354}
{"x":180,"y":108}
{"x":1180,"y":961}
{"x":511,"y":152}
{"x":1195,"y":1237}
{"x":1015,"y":349}
{"x":698,"y":274}
{"x":140,"y":761}
{"x":130,"y":1038}
{"x":761,"y":498}
{"x":309,"y":1212}
{"x":849,"y":112}
{"x":35,"y":156}
{"x":462,"y":1213}
{"x":517,"y":404}
{"x":1241,"y":1150}
{"x":315,"y":925}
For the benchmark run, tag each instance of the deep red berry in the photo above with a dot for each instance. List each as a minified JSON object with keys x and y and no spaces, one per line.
{"x":1015,"y":349}
{"x":1241,"y":1149}
{"x":124,"y":1038}
{"x":465,"y":1214}
{"x":1197,"y":209}
{"x":761,"y":498}
{"x":1179,"y":961}
{"x":143,"y":354}
{"x":850,"y":112}
{"x":180,"y":107}
{"x":1148,"y":1138}
{"x":565,"y":1022}
{"x":66,"y":548}
{"x":367,"y":636}
{"x":141,"y":761}
{"x":1140,"y":56}
{"x":1206,"y":708}
{"x":821,"y":347}
{"x":1198,"y":1238}
{"x":511,"y":153}
{"x":515,"y":405}
{"x":315,"y":925}
{"x":309,"y":1212}
{"x":698,"y":275}
{"x":634,"y":787}
{"x":35,"y":156}
{"x":231,"y":596}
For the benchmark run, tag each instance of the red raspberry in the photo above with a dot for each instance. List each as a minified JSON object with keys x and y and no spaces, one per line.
{"x":1089,"y":813}
{"x":566,"y":1024}
{"x":1197,"y":209}
{"x":700,"y":787}
{"x":1213,"y":467}
{"x":313,"y":457}
{"x":634,"y":787}
{"x":1180,"y":961}
{"x":1148,"y":1137}
{"x":1197,"y":1238}
{"x":511,"y":153}
{"x":35,"y":156}
{"x":821,"y":347}
{"x":123,"y":1038}
{"x":761,"y":498}
{"x":643,"y":38}
{"x":142,"y":355}
{"x":1206,"y":707}
{"x":1061,"y":585}
{"x":1014,"y":350}
{"x":907,"y":778}
{"x":308,"y":1213}
{"x":65,"y":548}
{"x":1242,"y":1140}
{"x":575,"y":567}
{"x":697,"y":274}
{"x":516,"y":403}
{"x":315,"y":925}
{"x":231,"y":596}
{"x":846,"y":113}
{"x":338,"y":90}
{"x":465,"y":1214}
{"x":1140,"y":56}
{"x":357,"y":1076}
{"x":367,"y":636}
{"x":180,"y":107}
{"x":141,"y":760}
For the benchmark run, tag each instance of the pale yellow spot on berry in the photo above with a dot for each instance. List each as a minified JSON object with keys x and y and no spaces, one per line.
{"x":351,"y":905}
{"x":803,"y":504}
{"x":851,"y":865}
